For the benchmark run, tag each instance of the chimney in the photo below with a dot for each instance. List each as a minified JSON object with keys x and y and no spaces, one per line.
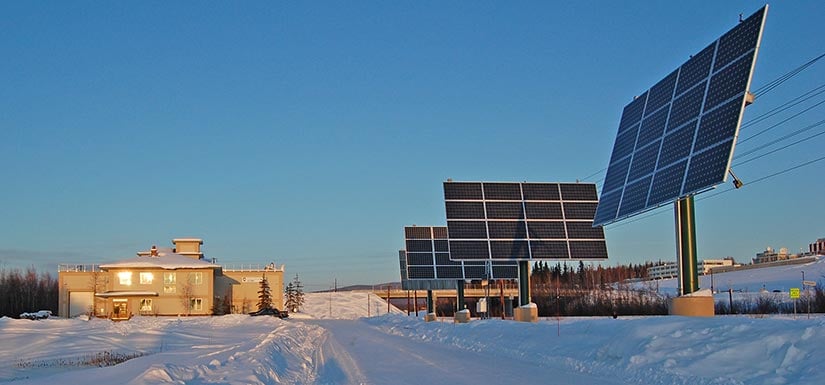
{"x":153,"y":252}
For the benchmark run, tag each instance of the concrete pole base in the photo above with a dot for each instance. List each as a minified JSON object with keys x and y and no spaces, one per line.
{"x":462,"y":317}
{"x":430,"y":317}
{"x":526,"y":313}
{"x":691,"y":306}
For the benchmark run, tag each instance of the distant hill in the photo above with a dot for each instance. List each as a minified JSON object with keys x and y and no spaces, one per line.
{"x":377,"y":286}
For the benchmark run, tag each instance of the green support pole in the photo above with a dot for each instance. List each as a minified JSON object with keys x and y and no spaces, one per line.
{"x":430,"y":307}
{"x":459,"y":302}
{"x":523,"y":283}
{"x":686,"y":246}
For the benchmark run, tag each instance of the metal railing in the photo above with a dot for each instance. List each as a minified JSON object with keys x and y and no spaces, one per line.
{"x":251,"y":267}
{"x":77,"y":268}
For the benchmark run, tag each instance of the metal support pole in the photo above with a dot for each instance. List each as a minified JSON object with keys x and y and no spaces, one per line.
{"x":415,"y":299}
{"x":523,"y":282}
{"x":459,"y":302}
{"x":430,"y":307}
{"x":686,"y":246}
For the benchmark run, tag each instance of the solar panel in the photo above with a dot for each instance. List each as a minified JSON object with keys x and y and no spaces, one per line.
{"x":434,"y":264}
{"x":677,"y":139}
{"x":506,"y":221}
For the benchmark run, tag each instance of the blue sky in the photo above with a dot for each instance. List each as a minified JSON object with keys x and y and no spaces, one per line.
{"x":310,"y":134}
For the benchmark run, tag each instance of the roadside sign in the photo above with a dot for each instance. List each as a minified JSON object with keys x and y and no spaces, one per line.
{"x":794,"y":292}
{"x":808,"y":283}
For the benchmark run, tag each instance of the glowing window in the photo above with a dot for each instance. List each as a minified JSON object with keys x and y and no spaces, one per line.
{"x":169,"y":278}
{"x":169,"y":289}
{"x":196,"y":278}
{"x":125,"y":278}
{"x":146,"y":304}
{"x":146,"y":278}
{"x":196,"y":303}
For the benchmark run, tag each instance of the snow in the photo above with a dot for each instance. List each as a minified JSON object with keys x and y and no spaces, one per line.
{"x":164,"y":260}
{"x":332,"y":341}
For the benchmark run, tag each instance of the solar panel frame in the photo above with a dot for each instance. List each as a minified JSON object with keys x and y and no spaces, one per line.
{"x":695,"y":128}
{"x":513,"y":223}
{"x":425,"y":269}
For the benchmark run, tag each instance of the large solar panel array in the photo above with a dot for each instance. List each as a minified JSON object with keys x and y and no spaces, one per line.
{"x":427,"y":258}
{"x":522,"y":221}
{"x":422,"y":284}
{"x":678,"y":137}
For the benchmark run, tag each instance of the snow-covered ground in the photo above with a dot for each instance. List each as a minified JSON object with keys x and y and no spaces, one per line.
{"x":333,"y":342}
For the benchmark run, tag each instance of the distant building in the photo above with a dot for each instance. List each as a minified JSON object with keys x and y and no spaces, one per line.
{"x":817,"y":247}
{"x":671,"y":269}
{"x":771,"y":255}
{"x":165,"y":281}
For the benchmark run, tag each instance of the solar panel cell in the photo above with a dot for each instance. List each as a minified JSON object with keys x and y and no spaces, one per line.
{"x":550,"y":249}
{"x":502,"y":191}
{"x":632,"y":113}
{"x":635,"y":196}
{"x":578,"y":192}
{"x":449,"y":272}
{"x":543,"y":210}
{"x":719,"y":125}
{"x":667,"y":183}
{"x":546,"y":230}
{"x":465,"y":210}
{"x":676,"y":145}
{"x":467,"y":229}
{"x":540,"y":191}
{"x":661,"y":93}
{"x":644,"y":161}
{"x":584,"y":211}
{"x":509,"y":250}
{"x":419,"y":245}
{"x":462,"y":190}
{"x":625,"y":142}
{"x":507,"y":230}
{"x":584,"y":230}
{"x":504,"y":210}
{"x":587,"y":250}
{"x":739,"y":40}
{"x":686,"y":107}
{"x":616,"y":176}
{"x":469,"y":250}
{"x":707,"y":168}
{"x":729,"y":82}
{"x":696,"y":69}
{"x":652,"y":128}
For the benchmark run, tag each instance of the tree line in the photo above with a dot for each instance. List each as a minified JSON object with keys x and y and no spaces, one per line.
{"x":27,"y":291}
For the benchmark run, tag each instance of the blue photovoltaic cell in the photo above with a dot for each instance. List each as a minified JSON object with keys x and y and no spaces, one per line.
{"x":695,"y":113}
{"x":719,"y":125}
{"x":624,"y":143}
{"x":633,"y":113}
{"x":644,"y":161}
{"x":653,"y":128}
{"x":519,"y":216}
{"x":635,"y":196}
{"x":676,"y":145}
{"x":661,"y":93}
{"x":704,"y":168}
{"x":667,"y":182}
{"x":696,"y":69}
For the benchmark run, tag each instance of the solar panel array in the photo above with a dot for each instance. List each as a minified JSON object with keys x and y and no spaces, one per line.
{"x":427,"y":258}
{"x":678,"y":137}
{"x":522,"y":221}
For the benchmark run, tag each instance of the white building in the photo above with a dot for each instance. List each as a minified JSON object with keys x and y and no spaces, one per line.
{"x":671,"y":269}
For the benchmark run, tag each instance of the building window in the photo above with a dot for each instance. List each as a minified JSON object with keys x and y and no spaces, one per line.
{"x":125,"y":278}
{"x":169,"y":289}
{"x":196,"y":278}
{"x":146,"y":305}
{"x":169,"y":278}
{"x":196,"y":303}
{"x":146,"y":278}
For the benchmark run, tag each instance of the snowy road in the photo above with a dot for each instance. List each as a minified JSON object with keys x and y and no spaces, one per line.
{"x":356,"y":353}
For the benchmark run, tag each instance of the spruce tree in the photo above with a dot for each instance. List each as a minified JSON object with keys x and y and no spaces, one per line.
{"x":299,"y":293}
{"x":264,"y":295}
{"x":289,"y":304}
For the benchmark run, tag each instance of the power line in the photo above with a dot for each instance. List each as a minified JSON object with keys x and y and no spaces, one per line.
{"x":817,"y":124}
{"x":787,"y":105}
{"x":782,"y":122}
{"x":776,"y":82}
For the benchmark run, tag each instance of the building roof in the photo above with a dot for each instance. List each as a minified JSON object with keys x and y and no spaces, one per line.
{"x":165,"y":260}
{"x":132,"y":293}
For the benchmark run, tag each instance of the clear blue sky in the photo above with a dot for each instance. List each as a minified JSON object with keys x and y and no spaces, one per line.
{"x":310,"y":134}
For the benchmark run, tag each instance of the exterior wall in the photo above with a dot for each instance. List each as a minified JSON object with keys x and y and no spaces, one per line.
{"x":246,"y":284}
{"x":189,"y":247}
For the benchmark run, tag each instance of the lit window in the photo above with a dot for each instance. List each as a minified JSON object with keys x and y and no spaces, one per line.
{"x":196,"y":278}
{"x":146,"y":304}
{"x":125,"y":278}
{"x":196,"y":303}
{"x":169,"y":289}
{"x":146,"y":278}
{"x":169,"y":278}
